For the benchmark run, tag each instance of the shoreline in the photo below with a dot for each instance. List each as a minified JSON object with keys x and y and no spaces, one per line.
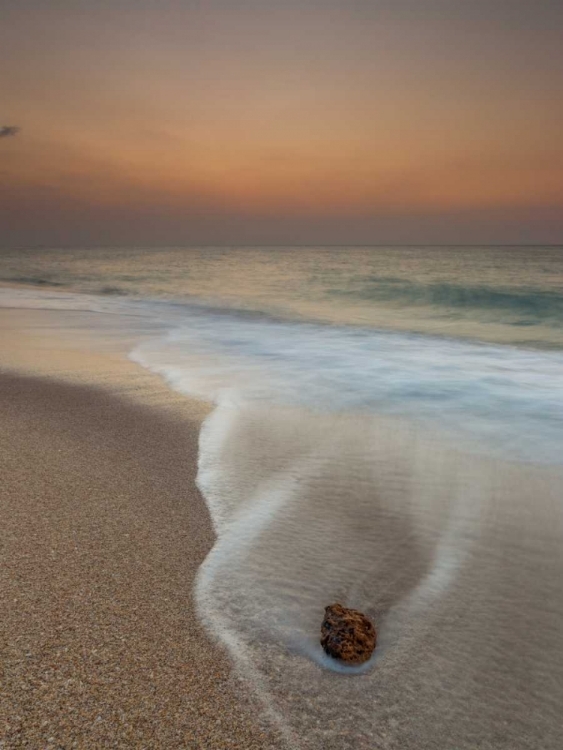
{"x":473,"y":332}
{"x":103,"y":531}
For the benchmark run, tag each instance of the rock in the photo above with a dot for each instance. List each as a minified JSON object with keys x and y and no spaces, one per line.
{"x":347,"y":635}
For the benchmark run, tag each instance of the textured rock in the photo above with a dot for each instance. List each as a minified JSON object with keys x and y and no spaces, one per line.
{"x":347,"y":635}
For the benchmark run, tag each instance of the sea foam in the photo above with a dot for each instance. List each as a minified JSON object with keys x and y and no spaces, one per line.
{"x":416,"y":478}
{"x":380,"y":470}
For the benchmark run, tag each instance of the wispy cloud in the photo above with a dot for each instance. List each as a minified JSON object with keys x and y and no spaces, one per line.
{"x":7,"y":130}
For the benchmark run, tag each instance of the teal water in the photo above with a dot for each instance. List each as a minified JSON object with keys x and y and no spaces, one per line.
{"x":500,"y":294}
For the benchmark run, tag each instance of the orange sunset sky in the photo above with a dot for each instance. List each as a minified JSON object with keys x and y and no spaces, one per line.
{"x":178,"y":122}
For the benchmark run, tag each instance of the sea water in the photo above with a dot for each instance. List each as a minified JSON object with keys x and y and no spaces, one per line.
{"x":387,"y":433}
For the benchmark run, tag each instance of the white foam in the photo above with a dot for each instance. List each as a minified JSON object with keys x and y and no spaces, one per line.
{"x":327,"y":476}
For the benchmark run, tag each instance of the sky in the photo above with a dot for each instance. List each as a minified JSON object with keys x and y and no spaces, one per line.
{"x":228,"y":122}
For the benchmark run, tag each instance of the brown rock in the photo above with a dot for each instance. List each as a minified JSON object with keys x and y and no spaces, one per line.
{"x":347,"y":635}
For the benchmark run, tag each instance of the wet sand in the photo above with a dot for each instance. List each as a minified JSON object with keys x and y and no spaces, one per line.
{"x":458,"y":559}
{"x":102,"y":532}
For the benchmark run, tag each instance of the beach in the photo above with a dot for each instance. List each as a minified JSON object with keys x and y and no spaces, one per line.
{"x":102,"y":532}
{"x":281,"y":332}
{"x":188,"y":484}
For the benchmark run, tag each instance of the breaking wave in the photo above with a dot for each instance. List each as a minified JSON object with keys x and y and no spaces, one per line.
{"x":523,"y":303}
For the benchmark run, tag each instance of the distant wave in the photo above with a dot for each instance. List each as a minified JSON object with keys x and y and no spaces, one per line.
{"x":529,"y":302}
{"x":49,"y":281}
{"x":111,"y":290}
{"x":33,"y":280}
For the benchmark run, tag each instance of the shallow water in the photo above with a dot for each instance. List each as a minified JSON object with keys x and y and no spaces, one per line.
{"x":416,"y":477}
{"x":458,"y":568}
{"x":502,"y":294}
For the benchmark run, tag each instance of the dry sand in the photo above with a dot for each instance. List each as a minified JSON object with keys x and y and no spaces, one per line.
{"x":70,"y":347}
{"x":102,"y":531}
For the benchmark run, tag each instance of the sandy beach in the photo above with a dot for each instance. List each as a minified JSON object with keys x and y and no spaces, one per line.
{"x":127,"y":623}
{"x":281,"y":328}
{"x":102,"y":531}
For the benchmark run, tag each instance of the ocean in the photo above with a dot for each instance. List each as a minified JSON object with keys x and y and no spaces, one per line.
{"x":387,"y":432}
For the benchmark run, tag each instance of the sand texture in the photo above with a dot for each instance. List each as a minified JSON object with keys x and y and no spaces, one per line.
{"x":102,"y":531}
